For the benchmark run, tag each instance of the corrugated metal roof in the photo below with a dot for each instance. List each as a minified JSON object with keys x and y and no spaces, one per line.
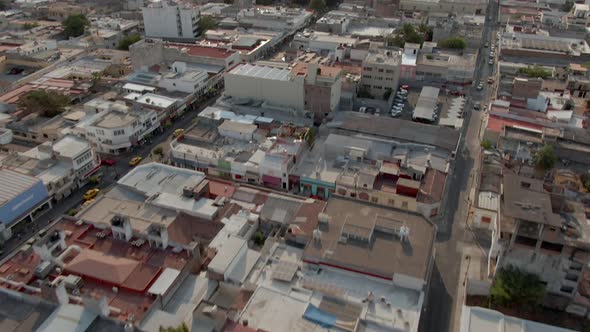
{"x":270,"y":73}
{"x":164,"y":281}
{"x":13,"y":184}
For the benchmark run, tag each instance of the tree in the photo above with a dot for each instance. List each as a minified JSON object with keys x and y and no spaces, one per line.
{"x":486,"y":144}
{"x":426,"y":31}
{"x":535,"y":71}
{"x":96,"y":77}
{"x":258,"y":238}
{"x":3,"y":5}
{"x":158,"y":151}
{"x":128,"y":41}
{"x":395,"y":40}
{"x":567,"y":6}
{"x":318,"y":6}
{"x":179,"y":328}
{"x":30,"y":25}
{"x":545,"y":158}
{"x":514,"y":287}
{"x":207,"y":23}
{"x":44,"y":103}
{"x":310,"y":136}
{"x":407,"y":34}
{"x":75,"y":25}
{"x":364,"y":92}
{"x":453,"y":42}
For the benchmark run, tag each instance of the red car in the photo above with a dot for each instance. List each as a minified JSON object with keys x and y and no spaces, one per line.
{"x":108,"y":162}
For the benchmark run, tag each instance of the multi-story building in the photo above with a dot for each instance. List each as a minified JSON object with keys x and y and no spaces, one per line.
{"x":63,"y":166}
{"x":323,"y":86}
{"x":149,"y":52}
{"x":22,"y":197}
{"x":381,"y":72}
{"x":117,"y":128}
{"x":274,"y":18}
{"x":534,"y":225}
{"x":273,"y":85}
{"x":171,"y":21}
{"x":447,"y":68}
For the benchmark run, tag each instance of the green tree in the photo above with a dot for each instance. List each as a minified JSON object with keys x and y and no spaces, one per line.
{"x":426,"y":31}
{"x":158,"y":150}
{"x":395,"y":40}
{"x":45,"y":103}
{"x":30,"y":25}
{"x":486,"y":144}
{"x":535,"y":71}
{"x":545,"y":158}
{"x":3,"y":5}
{"x":453,"y":42}
{"x":207,"y":23}
{"x":179,"y":328}
{"x":128,"y":41}
{"x":567,"y":6}
{"x":75,"y":25}
{"x":310,"y":136}
{"x":387,"y":94}
{"x":514,"y":287}
{"x":258,"y":238}
{"x":318,"y":6}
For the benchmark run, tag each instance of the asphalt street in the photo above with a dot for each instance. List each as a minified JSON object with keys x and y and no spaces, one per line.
{"x":439,"y":312}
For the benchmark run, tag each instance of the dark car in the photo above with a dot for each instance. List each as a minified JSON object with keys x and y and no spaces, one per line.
{"x":108,"y":162}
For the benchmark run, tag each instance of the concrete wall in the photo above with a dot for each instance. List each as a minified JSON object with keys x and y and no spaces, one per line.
{"x":478,"y":287}
{"x":288,"y":93}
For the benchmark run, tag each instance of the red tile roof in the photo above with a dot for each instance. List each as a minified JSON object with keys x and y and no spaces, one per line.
{"x":204,"y":51}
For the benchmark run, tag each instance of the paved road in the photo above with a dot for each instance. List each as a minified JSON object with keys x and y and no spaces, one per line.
{"x":109,"y":176}
{"x":439,"y":314}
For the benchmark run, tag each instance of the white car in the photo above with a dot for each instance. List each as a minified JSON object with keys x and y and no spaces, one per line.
{"x":491,"y":62}
{"x":363,"y":109}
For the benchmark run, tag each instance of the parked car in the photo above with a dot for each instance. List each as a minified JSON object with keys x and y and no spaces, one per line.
{"x":135,"y":161}
{"x":90,"y":194}
{"x":491,"y":62}
{"x":178,"y":132}
{"x":363,"y":109}
{"x":486,"y":45}
{"x":476,"y":106}
{"x":479,"y":86}
{"x":108,"y":162}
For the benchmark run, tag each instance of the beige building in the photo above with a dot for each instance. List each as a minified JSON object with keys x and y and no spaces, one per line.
{"x":381,"y":72}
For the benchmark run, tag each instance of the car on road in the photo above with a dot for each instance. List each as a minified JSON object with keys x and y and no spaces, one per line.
{"x":477,"y":106}
{"x":491,"y":62}
{"x":486,"y":45}
{"x":108,"y":162}
{"x":90,"y":194}
{"x":178,"y":132}
{"x":135,"y":161}
{"x":479,"y":86}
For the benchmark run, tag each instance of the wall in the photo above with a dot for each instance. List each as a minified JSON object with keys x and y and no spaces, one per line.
{"x":478,"y":287}
{"x":408,"y":282}
{"x":288,"y":93}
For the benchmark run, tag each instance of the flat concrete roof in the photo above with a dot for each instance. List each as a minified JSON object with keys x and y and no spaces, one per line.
{"x":384,"y":255}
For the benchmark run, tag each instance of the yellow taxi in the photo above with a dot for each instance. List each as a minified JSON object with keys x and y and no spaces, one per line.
{"x":135,"y":161}
{"x":178,"y":132}
{"x":90,"y":194}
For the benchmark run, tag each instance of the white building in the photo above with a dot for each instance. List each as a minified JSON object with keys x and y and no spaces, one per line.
{"x":184,"y":79}
{"x":170,"y":20}
{"x":117,"y":128}
{"x":274,"y":86}
{"x":271,"y":18}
